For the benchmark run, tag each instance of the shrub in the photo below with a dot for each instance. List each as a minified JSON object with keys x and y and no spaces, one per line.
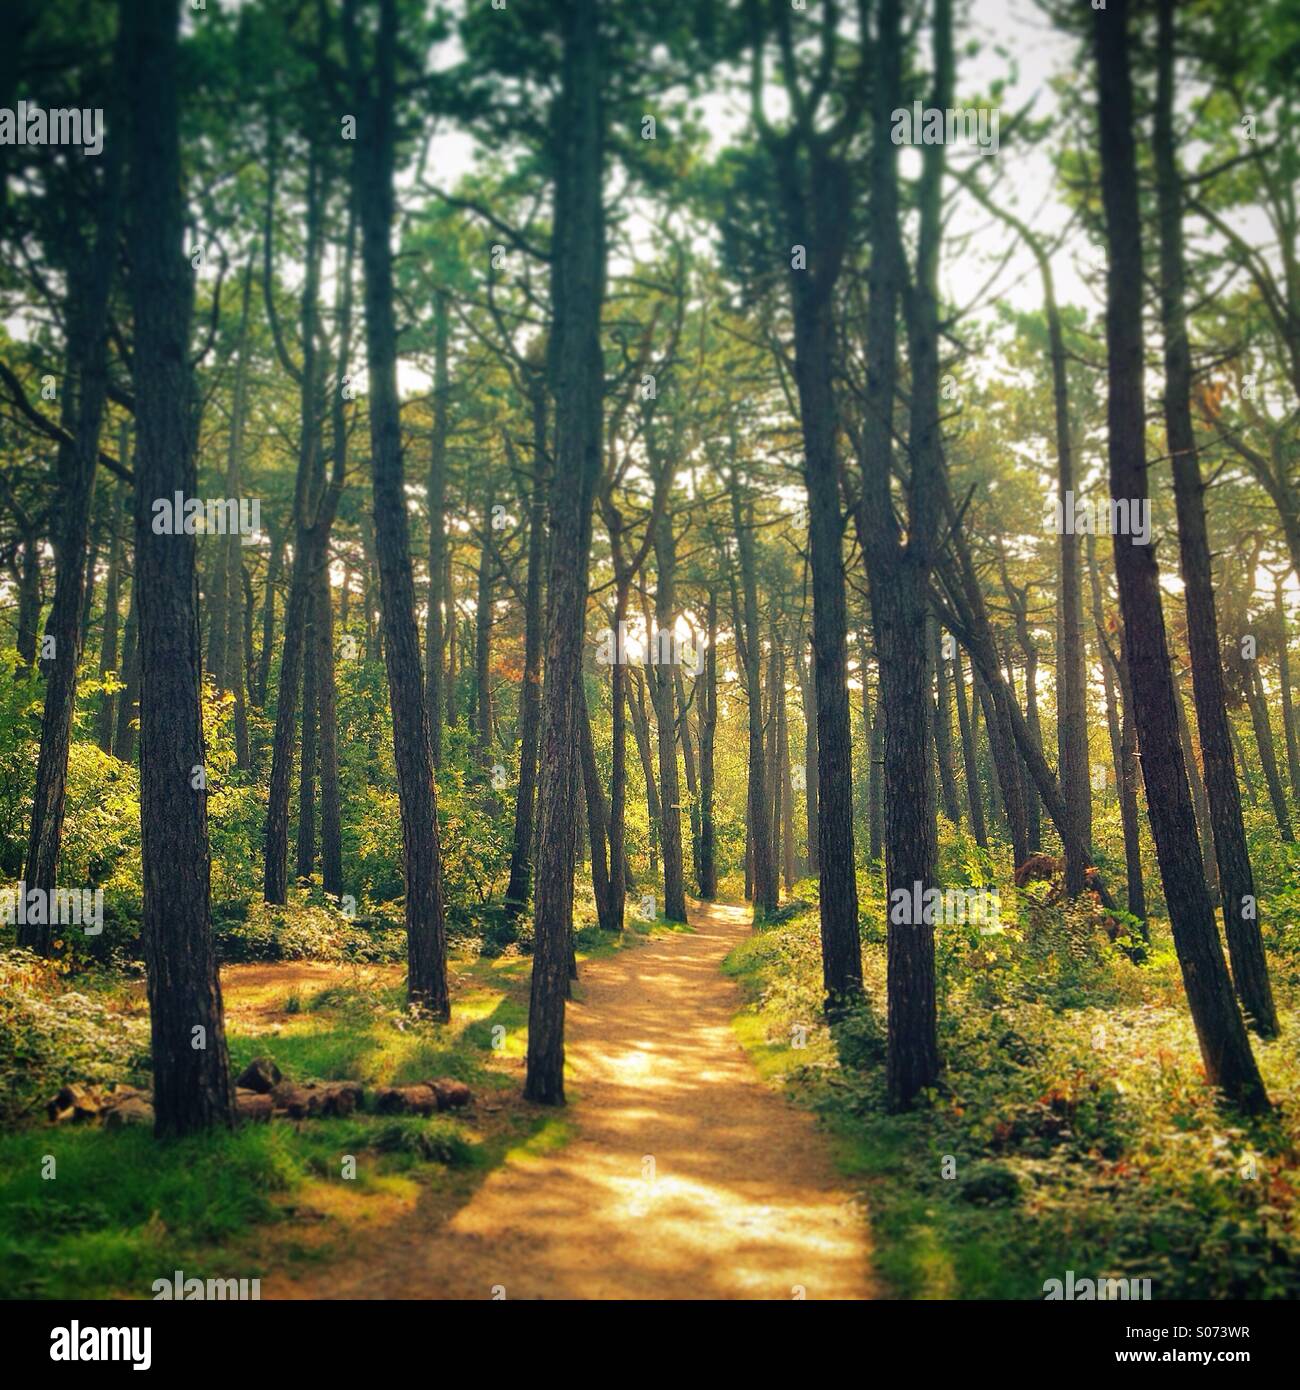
{"x":51,"y":1035}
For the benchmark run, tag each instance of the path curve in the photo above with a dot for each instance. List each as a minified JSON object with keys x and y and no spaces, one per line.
{"x":686,"y":1177}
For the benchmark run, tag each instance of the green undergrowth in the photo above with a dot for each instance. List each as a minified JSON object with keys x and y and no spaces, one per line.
{"x":1072,"y":1128}
{"x":91,"y":1212}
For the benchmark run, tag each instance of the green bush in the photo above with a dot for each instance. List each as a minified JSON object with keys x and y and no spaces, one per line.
{"x":51,"y":1035}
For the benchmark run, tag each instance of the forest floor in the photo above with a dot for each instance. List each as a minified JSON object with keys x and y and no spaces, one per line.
{"x":682,"y":1174}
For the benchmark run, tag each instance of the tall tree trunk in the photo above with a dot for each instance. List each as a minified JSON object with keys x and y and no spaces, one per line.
{"x":191,"y":1070}
{"x":306,"y":855}
{"x":803,"y":665}
{"x":811,"y":296}
{"x":222,"y":594}
{"x":92,"y":568}
{"x":641,"y":730}
{"x":942,"y":707}
{"x":372,"y":172}
{"x":90,"y":278}
{"x":29,"y":599}
{"x":619,"y":704}
{"x":1200,"y":801}
{"x":597,"y":818}
{"x":437,"y":500}
{"x":483,"y":641}
{"x":530,"y":709}
{"x":262,"y":676}
{"x":899,"y":571}
{"x":1284,"y":680}
{"x":128,"y":704}
{"x":239,"y":611}
{"x":106,"y":720}
{"x":708,"y":729}
{"x":1225,"y":1046}
{"x":1237,"y":884}
{"x":1122,"y":744}
{"x":577,"y":373}
{"x":331,"y":811}
{"x":687,"y":746}
{"x":1258,"y":704}
{"x":747,"y":639}
{"x":964,"y":724}
{"x":783,"y":778}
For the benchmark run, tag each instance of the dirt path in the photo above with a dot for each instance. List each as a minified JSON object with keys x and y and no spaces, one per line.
{"x":686,"y":1177}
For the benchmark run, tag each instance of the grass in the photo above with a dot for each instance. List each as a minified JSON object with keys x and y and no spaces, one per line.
{"x":1072,"y":1128}
{"x":120,"y":1209}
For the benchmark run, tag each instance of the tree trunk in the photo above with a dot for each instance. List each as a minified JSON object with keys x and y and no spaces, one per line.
{"x":1200,"y":802}
{"x":530,"y":708}
{"x":641,"y":731}
{"x":306,"y":855}
{"x":596,"y":816}
{"x":262,"y":676}
{"x":106,"y":719}
{"x":1122,"y":745}
{"x":973,"y":798}
{"x":687,"y":746}
{"x":1259,"y":719}
{"x":128,"y":703}
{"x":898,"y":569}
{"x":747,"y":639}
{"x":483,"y":641}
{"x":577,"y":374}
{"x":942,"y":708}
{"x":1225,"y":1046}
{"x":191,"y":1071}
{"x":1243,"y":766}
{"x":814,"y":334}
{"x":372,"y":172}
{"x":708,"y":729}
{"x":783,"y":778}
{"x":1245,"y":945}
{"x":803,"y":665}
{"x":90,"y":279}
{"x":437,"y":501}
{"x":1284,"y":680}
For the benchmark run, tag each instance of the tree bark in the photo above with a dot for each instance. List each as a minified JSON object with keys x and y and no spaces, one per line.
{"x":747,"y":639}
{"x":437,"y":501}
{"x":974,"y":800}
{"x":708,"y":729}
{"x":577,"y":373}
{"x":942,"y":711}
{"x":898,"y":569}
{"x":1237,"y":884}
{"x":1225,"y":1046}
{"x":106,"y":720}
{"x":1258,"y":704}
{"x":372,"y":172}
{"x":530,"y":695}
{"x":191,"y":1071}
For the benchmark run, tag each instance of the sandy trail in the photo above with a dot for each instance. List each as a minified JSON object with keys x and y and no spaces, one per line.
{"x":686,"y":1177}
